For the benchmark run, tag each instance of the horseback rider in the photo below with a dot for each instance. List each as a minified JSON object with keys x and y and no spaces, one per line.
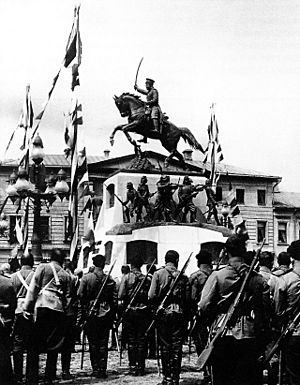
{"x":153,"y":111}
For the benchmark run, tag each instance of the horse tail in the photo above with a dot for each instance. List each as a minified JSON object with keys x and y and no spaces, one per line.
{"x":188,"y":137}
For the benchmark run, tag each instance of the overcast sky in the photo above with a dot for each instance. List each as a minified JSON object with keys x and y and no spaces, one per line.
{"x":243,"y":55}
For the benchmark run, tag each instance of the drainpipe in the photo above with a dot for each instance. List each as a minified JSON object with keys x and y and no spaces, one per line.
{"x":273,"y":209}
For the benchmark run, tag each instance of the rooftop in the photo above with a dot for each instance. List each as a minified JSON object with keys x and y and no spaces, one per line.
{"x":59,"y":160}
{"x":287,"y":199}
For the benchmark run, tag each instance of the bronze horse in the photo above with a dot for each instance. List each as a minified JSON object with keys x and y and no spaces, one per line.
{"x":133,"y":107}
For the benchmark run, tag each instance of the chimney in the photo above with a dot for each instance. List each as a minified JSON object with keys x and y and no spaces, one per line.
{"x":187,"y":154}
{"x":106,"y":154}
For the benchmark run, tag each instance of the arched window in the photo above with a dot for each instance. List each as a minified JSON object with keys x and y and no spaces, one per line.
{"x":214,"y":248}
{"x":145,"y":249}
{"x":110,"y":196}
{"x":108,"y":252}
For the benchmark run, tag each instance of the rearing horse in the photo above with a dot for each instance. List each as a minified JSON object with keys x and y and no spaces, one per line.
{"x":133,"y":107}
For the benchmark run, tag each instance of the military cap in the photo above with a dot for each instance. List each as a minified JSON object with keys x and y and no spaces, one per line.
{"x":98,"y":259}
{"x":294,"y":250}
{"x":150,"y":80}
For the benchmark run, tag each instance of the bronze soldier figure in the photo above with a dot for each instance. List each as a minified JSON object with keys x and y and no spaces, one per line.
{"x":211,"y":202}
{"x":131,"y":198}
{"x":101,"y":320}
{"x":235,"y":356}
{"x":164,"y":204}
{"x":153,"y":109}
{"x":23,"y":328}
{"x":143,"y":195}
{"x":186,"y":192}
{"x":171,"y":323}
{"x":137,"y":316}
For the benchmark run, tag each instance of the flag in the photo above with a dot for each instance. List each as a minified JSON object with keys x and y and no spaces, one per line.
{"x":214,"y":149}
{"x":72,"y":55}
{"x":74,"y":45}
{"x":234,"y":212}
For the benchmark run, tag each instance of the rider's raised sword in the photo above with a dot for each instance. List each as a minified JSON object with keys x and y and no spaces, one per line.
{"x":137,"y":72}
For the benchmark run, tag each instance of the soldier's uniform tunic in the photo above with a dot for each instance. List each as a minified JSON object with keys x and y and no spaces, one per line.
{"x":287,"y":304}
{"x":234,"y":359}
{"x":143,"y":195}
{"x":197,"y":282}
{"x":49,"y":327}
{"x":185,"y":196}
{"x":171,"y":324}
{"x":100,"y":323}
{"x":152,"y":98}
{"x":23,"y":328}
{"x":8,"y":304}
{"x":164,"y":203}
{"x":136,"y":320}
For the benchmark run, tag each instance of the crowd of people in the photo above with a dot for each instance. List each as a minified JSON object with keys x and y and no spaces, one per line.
{"x":46,"y":309}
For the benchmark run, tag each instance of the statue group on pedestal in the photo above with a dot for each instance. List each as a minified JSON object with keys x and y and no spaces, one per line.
{"x":165,"y":208}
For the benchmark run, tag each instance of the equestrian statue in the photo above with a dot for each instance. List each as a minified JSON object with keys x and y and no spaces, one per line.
{"x":146,"y":119}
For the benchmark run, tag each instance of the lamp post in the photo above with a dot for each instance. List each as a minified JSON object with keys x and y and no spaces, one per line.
{"x":40,"y":192}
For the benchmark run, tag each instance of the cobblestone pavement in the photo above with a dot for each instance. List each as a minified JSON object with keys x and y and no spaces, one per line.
{"x":118,"y":374}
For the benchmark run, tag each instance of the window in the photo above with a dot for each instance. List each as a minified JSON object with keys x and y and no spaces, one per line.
{"x":219,"y":195}
{"x":67,"y":237}
{"x":45,"y":228}
{"x":108,"y":251}
{"x":240,"y":196}
{"x":147,"y":250}
{"x":282,"y":232}
{"x":12,"y":235}
{"x":261,"y":197}
{"x":110,"y":202}
{"x":261,"y":230}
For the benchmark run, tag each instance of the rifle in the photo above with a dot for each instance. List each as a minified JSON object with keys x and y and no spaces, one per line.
{"x":169,"y":293}
{"x":133,"y":296}
{"x":285,"y":333}
{"x":92,"y":309}
{"x":229,"y":317}
{"x":124,"y":208}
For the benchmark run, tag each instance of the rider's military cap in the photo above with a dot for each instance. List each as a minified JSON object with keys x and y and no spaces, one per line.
{"x":150,"y":80}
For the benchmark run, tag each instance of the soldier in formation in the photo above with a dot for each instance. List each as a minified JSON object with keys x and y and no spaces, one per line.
{"x":50,"y":299}
{"x":172,"y":321}
{"x":98,"y":322}
{"x":136,"y":315}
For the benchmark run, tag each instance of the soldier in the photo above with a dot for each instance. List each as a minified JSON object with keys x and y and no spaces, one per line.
{"x":23,"y":328}
{"x":286,"y":298}
{"x":71,"y":328}
{"x":164,"y":204}
{"x":153,"y":110}
{"x":137,"y":316}
{"x":131,"y":198}
{"x":211,"y":202}
{"x":187,"y":191}
{"x":284,"y":262}
{"x":48,"y":295}
{"x":100,"y":322}
{"x":143,"y":195}
{"x":151,"y":337}
{"x":234,"y":359}
{"x":171,"y":324}
{"x":197,"y":282}
{"x":8,"y":303}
